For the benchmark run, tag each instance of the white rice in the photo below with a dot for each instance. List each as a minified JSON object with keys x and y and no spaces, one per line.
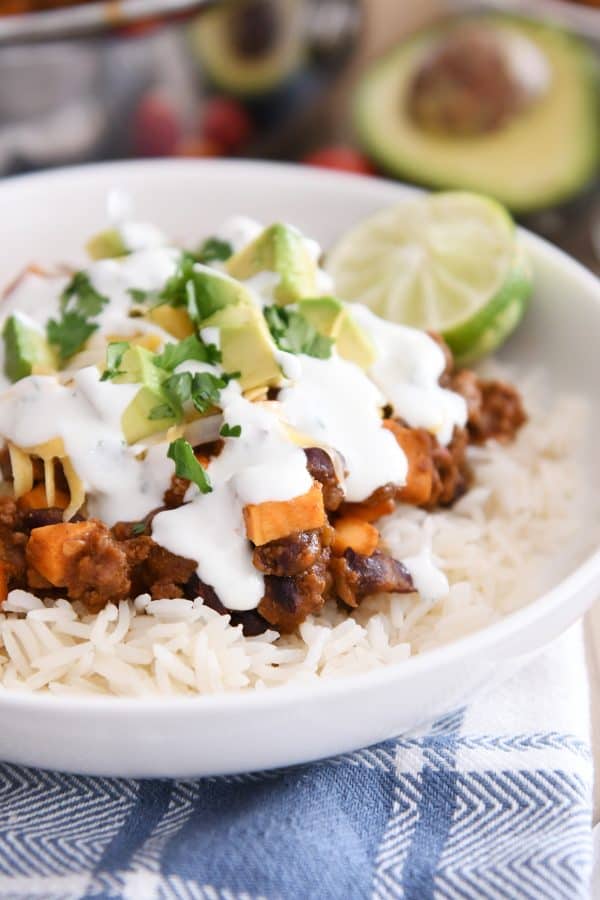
{"x":500,"y":546}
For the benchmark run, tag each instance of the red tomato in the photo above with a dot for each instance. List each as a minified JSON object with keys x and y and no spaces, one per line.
{"x":199,"y":146}
{"x":346,"y":159}
{"x":156,"y":129}
{"x":226,"y":121}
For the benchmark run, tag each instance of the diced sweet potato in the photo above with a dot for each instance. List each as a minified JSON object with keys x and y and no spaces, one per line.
{"x":417,"y":447}
{"x":276,"y":519}
{"x":36,"y":499}
{"x":369,"y":512}
{"x":356,"y":534}
{"x":49,"y":548}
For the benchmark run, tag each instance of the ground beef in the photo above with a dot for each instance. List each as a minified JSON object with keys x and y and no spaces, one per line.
{"x":175,"y":493}
{"x":155,"y":570}
{"x":495,"y":409}
{"x":290,"y":555}
{"x":97,"y":568}
{"x":13,"y":540}
{"x":356,"y":577}
{"x":321,"y":467}
{"x":451,"y":473}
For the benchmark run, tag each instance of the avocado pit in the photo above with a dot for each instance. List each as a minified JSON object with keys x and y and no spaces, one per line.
{"x":475,"y":81}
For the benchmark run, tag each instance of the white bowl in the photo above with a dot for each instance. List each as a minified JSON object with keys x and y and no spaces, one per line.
{"x":46,"y":218}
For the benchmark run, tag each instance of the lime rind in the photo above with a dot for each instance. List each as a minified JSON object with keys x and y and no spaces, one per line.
{"x":448,"y":262}
{"x":491,"y":326}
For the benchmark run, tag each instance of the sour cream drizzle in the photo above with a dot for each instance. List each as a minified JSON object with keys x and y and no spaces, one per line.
{"x":122,"y":483}
{"x":335,"y":403}
{"x":407,"y":370}
{"x":258,"y":466}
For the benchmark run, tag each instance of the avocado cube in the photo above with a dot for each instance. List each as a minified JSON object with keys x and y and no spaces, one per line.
{"x":279,"y":249}
{"x":26,"y":351}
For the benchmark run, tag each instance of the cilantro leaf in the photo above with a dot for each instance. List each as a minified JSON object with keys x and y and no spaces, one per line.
{"x":294,"y":334}
{"x":187,"y":466}
{"x":81,"y":296}
{"x":214,"y":249}
{"x":206,"y":389}
{"x":202,"y":388}
{"x":69,"y":333}
{"x":80,"y":302}
{"x":138,"y":295}
{"x":138,"y":528}
{"x":230,"y":430}
{"x":191,"y":347}
{"x":114,"y":356}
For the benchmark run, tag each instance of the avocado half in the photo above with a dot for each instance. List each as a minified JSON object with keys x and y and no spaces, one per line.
{"x":252,"y":63}
{"x":542,"y":156}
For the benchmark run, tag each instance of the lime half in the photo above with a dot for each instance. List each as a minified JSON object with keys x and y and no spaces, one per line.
{"x":448,"y":262}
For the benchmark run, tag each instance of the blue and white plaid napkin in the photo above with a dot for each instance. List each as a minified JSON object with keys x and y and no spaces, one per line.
{"x":494,"y":801}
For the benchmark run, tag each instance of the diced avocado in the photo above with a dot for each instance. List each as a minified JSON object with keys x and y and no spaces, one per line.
{"x":135,"y":421}
{"x":536,"y":158}
{"x":106,"y":245}
{"x":26,"y":351}
{"x":279,"y":249}
{"x":333,"y":319}
{"x":246,"y":345}
{"x":175,"y":320}
{"x":137,"y":367}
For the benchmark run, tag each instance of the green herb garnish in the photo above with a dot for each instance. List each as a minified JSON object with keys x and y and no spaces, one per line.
{"x":114,"y":356}
{"x":294,"y":334}
{"x":202,"y":389}
{"x":191,"y":347}
{"x":230,"y":430}
{"x":80,"y":302}
{"x":138,"y":528}
{"x":214,"y":249}
{"x":187,"y":466}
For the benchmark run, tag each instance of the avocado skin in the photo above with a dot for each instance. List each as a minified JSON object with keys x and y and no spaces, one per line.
{"x":399,"y":162}
{"x":25,"y":350}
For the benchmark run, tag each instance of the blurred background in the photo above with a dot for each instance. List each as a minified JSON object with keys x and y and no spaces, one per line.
{"x":501,"y":97}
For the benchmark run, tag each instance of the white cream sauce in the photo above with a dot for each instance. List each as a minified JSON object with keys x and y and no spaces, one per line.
{"x":121,"y":482}
{"x":407,"y":370}
{"x":428,"y":579}
{"x":337,"y":405}
{"x":260,"y":465}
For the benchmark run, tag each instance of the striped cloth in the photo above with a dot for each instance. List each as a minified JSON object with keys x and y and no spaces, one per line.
{"x":493,"y":801}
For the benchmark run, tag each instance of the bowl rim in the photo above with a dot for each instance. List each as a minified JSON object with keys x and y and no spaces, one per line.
{"x":436,"y":659}
{"x":81,"y":19}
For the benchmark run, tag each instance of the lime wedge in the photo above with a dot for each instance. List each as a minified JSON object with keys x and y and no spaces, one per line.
{"x":448,"y":262}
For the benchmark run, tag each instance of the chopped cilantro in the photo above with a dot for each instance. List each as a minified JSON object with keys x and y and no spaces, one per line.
{"x":202,"y":388}
{"x":214,"y":249}
{"x":138,"y":295}
{"x":114,"y":356}
{"x":187,"y":466}
{"x":138,"y":528}
{"x":80,"y":302}
{"x":69,"y":333}
{"x":82,"y":297}
{"x":230,"y":430}
{"x":191,"y":347}
{"x":187,"y":287}
{"x":294,"y":334}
